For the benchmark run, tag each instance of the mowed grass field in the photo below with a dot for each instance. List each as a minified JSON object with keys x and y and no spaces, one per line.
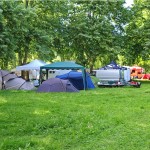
{"x":99,"y":119}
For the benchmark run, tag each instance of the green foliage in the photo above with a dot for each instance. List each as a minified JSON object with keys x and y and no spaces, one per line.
{"x":103,"y":118}
{"x":88,"y":32}
{"x":138,"y":33}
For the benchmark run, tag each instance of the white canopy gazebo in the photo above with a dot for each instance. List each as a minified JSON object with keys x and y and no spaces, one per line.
{"x":33,"y":67}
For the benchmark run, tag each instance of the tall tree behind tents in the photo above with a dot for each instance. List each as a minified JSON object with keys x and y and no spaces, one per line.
{"x":35,"y":37}
{"x":7,"y":45}
{"x":138,"y":33}
{"x":22,"y":33}
{"x":16,"y":27}
{"x":84,"y":31}
{"x":92,"y":26}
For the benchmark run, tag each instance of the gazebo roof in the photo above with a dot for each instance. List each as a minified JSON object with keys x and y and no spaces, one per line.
{"x":62,"y":65}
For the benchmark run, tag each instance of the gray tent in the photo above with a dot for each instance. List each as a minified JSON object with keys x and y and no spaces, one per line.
{"x":1,"y":80}
{"x":18,"y":84}
{"x":56,"y":85}
{"x":11,"y":81}
{"x":3,"y":74}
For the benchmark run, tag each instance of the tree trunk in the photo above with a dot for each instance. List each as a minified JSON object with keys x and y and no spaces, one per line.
{"x":26,"y":3}
{"x":19,"y":58}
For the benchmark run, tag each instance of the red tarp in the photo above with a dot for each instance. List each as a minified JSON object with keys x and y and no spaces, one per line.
{"x":146,"y":76}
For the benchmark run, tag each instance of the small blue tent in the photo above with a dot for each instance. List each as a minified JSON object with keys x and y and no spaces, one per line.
{"x":112,"y":65}
{"x":76,"y":79}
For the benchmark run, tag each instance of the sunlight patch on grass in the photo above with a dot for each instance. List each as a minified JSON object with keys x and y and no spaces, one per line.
{"x":41,"y":112}
{"x":3,"y":114}
{"x":53,"y":101}
{"x":98,"y":93}
{"x":143,"y":125}
{"x":147,"y":91}
{"x":43,"y":140}
{"x":2,"y":100}
{"x":45,"y":143}
{"x":83,"y":105}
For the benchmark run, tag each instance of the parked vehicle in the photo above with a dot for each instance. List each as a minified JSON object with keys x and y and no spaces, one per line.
{"x":115,"y":78}
{"x":110,"y":77}
{"x":114,"y":75}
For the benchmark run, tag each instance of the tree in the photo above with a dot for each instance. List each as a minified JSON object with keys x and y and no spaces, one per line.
{"x":84,"y":31}
{"x":23,"y":36}
{"x":95,"y":28}
{"x":138,"y":33}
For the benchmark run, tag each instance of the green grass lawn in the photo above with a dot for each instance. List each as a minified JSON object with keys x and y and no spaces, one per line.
{"x":99,"y":119}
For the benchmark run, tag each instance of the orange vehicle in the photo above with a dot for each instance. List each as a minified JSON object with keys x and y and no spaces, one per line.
{"x":136,"y":72}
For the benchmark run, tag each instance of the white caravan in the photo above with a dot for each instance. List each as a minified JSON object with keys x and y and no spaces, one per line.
{"x":112,"y":77}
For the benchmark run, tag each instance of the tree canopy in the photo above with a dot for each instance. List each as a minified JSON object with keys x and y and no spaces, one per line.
{"x":91,"y":33}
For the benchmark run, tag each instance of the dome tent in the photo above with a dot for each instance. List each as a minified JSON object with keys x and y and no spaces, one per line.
{"x":111,"y":65}
{"x":56,"y":85}
{"x":11,"y":81}
{"x":77,"y":80}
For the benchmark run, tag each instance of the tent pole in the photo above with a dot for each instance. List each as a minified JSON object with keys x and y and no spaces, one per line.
{"x":40,"y":78}
{"x":46,"y":74}
{"x":84,"y":75}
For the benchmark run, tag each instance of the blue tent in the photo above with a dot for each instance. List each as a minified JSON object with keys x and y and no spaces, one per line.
{"x":112,"y":65}
{"x":76,"y":79}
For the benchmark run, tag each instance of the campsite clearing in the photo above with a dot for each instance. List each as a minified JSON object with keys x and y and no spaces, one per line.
{"x":99,"y":119}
